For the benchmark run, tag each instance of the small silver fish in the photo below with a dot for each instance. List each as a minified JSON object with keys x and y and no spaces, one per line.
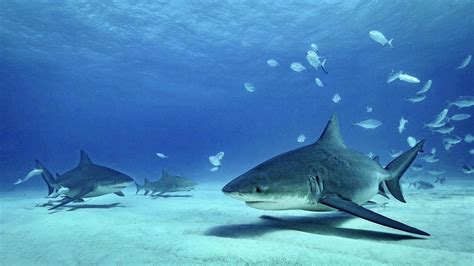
{"x":446,"y":129}
{"x":426,"y":87}
{"x":459,"y":117}
{"x":401,"y":124}
{"x":417,"y":98}
{"x":380,"y":38}
{"x":297,"y":67}
{"x":465,"y":62}
{"x":408,"y":78}
{"x":463,"y":102}
{"x":29,"y":175}
{"x":369,"y":124}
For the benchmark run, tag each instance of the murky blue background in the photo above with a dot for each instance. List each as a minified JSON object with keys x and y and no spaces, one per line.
{"x":126,"y":79}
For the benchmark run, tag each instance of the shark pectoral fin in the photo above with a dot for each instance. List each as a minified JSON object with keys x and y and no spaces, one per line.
{"x":77,"y":197}
{"x":120,"y":193}
{"x":359,"y":211}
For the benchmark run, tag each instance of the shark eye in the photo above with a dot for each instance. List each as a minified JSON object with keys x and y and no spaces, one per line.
{"x":258,"y":189}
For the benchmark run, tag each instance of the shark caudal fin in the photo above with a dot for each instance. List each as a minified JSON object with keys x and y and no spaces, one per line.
{"x":47,"y":177}
{"x":397,"y":168}
{"x":138,"y":187}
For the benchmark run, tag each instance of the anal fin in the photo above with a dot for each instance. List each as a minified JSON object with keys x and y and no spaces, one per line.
{"x":359,"y":211}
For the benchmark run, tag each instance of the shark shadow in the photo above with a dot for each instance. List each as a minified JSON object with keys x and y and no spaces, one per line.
{"x":90,"y":206}
{"x":171,"y":196}
{"x":320,"y":225}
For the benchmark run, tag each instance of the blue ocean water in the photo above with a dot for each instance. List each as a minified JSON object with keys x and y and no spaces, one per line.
{"x":127,"y":79}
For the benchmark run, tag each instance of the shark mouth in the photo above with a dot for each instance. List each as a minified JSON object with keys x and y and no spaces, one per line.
{"x":263,"y":205}
{"x":259,"y":201}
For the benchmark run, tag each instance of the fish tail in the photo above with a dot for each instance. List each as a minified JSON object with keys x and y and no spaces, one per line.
{"x":449,"y":104}
{"x":323,"y":67}
{"x":390,"y":43}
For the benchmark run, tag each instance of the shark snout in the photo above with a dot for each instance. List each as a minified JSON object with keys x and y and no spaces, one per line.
{"x":232,"y":191}
{"x":228,"y":189}
{"x":241,"y":190}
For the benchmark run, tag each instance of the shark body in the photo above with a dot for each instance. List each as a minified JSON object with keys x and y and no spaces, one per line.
{"x":86,"y":180}
{"x":167,"y":183}
{"x":324,"y":176}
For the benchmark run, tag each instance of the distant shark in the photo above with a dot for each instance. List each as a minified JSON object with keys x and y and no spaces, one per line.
{"x":167,"y":183}
{"x":324,"y":176}
{"x":87,"y":180}
{"x":421,"y":185}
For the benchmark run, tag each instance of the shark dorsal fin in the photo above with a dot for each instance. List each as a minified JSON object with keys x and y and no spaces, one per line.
{"x":85,"y":159}
{"x":331,"y":133}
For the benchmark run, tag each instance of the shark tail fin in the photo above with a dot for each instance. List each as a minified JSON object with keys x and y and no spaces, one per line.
{"x":397,"y":168}
{"x":138,"y":187}
{"x":390,"y":43}
{"x":47,"y":177}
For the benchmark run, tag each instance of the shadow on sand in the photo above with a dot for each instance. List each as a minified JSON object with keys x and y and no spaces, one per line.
{"x":171,"y":196}
{"x":87,"y":206}
{"x":326,"y":224}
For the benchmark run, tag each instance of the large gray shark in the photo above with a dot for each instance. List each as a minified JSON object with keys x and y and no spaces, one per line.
{"x":324,"y":176}
{"x":167,"y":183}
{"x":87,"y":180}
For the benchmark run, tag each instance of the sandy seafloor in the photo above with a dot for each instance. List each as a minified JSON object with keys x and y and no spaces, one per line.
{"x":210,"y":228}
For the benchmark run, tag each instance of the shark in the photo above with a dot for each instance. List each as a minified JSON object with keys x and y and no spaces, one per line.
{"x":422,"y":185}
{"x":324,"y":176}
{"x":86,"y":180}
{"x":167,"y":183}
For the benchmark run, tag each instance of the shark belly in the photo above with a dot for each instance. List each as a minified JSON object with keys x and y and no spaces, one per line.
{"x":98,"y":191}
{"x":358,"y":192}
{"x":101,"y":190}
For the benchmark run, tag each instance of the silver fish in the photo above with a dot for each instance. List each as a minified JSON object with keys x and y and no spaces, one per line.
{"x":459,"y":117}
{"x":465,"y":62}
{"x":446,"y":129}
{"x":463,"y":102}
{"x":417,"y":98}
{"x":369,"y":123}
{"x":426,"y":87}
